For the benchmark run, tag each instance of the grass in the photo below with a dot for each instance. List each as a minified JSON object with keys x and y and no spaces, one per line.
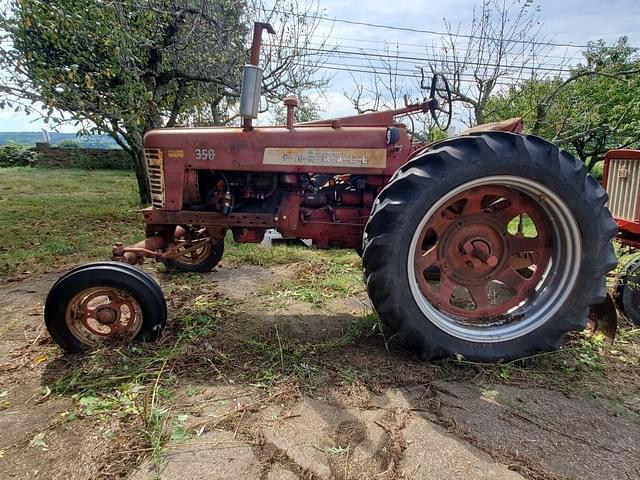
{"x":279,"y":357}
{"x":237,"y":254}
{"x":321,"y":277}
{"x":50,"y":218}
{"x":139,"y":380}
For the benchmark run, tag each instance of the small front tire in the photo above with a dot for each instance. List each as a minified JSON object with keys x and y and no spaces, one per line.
{"x":104,"y":301}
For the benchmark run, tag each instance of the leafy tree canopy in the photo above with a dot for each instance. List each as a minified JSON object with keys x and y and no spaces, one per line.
{"x":594,"y":110}
{"x":125,"y":67}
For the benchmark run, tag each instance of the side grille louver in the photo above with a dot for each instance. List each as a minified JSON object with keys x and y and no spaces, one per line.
{"x":623,"y":186}
{"x":156,"y":176}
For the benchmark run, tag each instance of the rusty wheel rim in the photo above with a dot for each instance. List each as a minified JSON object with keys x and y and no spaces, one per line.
{"x":100,"y":313}
{"x":196,"y":256}
{"x":193,"y":257}
{"x":494,"y":258}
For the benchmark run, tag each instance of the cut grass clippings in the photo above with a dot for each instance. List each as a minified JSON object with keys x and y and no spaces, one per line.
{"x":323,"y":277}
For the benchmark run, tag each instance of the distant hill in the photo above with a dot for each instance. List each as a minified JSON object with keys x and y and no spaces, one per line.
{"x":30,"y":138}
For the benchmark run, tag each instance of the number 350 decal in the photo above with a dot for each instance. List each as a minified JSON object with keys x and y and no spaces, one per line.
{"x":205,"y":154}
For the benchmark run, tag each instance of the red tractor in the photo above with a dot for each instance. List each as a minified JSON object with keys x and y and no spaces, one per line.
{"x":622,"y":180}
{"x":491,"y":245}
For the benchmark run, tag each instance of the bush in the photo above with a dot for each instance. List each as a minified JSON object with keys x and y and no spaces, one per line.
{"x":72,"y":144}
{"x":597,"y":171}
{"x":16,"y":155}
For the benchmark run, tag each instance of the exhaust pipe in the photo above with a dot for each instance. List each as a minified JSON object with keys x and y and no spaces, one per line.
{"x":252,"y":78}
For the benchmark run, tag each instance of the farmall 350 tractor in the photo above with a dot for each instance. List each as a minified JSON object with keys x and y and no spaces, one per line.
{"x":491,"y":245}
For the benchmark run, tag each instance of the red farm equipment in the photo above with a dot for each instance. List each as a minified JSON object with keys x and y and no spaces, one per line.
{"x":622,"y":180}
{"x":491,"y":245}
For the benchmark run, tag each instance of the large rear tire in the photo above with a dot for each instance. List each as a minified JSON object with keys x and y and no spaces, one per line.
{"x":489,"y":246}
{"x":104,"y":302}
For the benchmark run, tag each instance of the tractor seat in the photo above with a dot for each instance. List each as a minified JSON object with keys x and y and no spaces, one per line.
{"x":515,"y":125}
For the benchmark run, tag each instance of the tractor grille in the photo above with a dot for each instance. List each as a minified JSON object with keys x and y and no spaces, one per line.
{"x":623,"y":185}
{"x":156,"y":176}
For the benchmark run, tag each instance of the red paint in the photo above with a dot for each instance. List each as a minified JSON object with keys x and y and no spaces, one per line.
{"x":465,"y":245}
{"x":629,"y":231}
{"x":338,"y":220}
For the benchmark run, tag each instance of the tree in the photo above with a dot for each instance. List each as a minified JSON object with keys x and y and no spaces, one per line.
{"x":596,"y":108}
{"x":387,"y":89}
{"x":306,"y":111}
{"x":503,"y":45}
{"x":123,"y":68}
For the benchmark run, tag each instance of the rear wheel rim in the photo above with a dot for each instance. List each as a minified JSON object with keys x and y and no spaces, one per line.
{"x":477,"y":280}
{"x":100,"y":313}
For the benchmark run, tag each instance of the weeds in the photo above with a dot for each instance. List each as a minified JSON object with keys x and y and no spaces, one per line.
{"x":136,"y":381}
{"x":281,"y":358}
{"x":319,"y":280}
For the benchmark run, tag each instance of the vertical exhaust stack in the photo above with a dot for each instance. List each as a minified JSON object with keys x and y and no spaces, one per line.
{"x":252,"y":78}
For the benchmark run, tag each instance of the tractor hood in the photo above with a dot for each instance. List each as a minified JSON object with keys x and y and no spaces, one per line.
{"x":278,"y":149}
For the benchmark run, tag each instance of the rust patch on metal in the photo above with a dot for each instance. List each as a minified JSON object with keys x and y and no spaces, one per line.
{"x":466,"y":247}
{"x":101,"y":312}
{"x":327,"y":157}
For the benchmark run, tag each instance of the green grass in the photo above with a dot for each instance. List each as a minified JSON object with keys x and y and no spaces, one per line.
{"x":528,"y":226}
{"x":255,"y":254}
{"x":51,"y":218}
{"x":324,"y":275}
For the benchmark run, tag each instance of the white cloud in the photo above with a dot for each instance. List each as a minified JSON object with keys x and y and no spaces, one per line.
{"x":575,"y":21}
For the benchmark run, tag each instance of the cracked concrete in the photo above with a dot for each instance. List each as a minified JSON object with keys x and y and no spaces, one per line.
{"x":315,"y":439}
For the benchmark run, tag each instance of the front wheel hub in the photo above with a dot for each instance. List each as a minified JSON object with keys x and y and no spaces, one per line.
{"x":99,"y":313}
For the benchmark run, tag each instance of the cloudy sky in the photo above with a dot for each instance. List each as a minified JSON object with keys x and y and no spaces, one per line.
{"x":573,"y":22}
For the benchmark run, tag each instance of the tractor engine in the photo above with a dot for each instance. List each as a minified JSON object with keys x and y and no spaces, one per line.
{"x":300,"y":203}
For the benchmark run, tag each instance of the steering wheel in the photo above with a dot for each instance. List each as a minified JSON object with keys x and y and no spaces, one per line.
{"x":440,"y":101}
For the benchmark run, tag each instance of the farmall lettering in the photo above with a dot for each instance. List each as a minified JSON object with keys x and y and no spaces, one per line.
{"x":327,"y":157}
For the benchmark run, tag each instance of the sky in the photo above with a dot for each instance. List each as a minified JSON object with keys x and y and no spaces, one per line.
{"x":566,"y":21}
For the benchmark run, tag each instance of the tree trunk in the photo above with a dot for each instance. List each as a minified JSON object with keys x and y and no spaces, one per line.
{"x":479,"y":114}
{"x":142,"y":175}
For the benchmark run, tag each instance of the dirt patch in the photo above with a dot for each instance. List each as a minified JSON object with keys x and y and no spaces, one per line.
{"x":41,"y":431}
{"x":244,"y":282}
{"x":275,"y":388}
{"x":21,"y":307}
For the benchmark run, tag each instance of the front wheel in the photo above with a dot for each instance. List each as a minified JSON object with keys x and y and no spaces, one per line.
{"x":104,"y":302}
{"x":490,"y":246}
{"x":197,"y":253}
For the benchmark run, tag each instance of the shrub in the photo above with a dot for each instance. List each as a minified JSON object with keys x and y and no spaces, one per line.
{"x":16,"y":155}
{"x":597,"y":171}
{"x":73,"y":144}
